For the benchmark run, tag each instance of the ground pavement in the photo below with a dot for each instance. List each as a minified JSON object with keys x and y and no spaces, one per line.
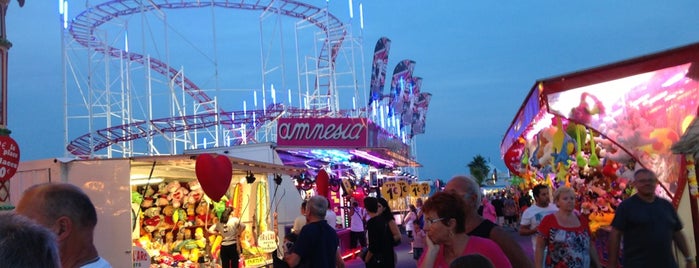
{"x":406,"y":260}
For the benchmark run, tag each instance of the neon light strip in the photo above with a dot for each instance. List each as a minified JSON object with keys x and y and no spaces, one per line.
{"x":373,"y":158}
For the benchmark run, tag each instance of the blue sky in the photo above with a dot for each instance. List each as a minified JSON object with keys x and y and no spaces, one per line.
{"x":478,"y":58}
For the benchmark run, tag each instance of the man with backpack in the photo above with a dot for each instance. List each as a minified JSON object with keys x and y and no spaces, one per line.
{"x":358,"y":217}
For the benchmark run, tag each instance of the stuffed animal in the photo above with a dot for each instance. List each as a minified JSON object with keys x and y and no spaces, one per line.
{"x":202,"y":217}
{"x":177,"y":196}
{"x":195,"y":193}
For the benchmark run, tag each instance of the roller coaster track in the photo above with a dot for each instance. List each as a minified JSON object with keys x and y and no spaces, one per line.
{"x":82,"y":29}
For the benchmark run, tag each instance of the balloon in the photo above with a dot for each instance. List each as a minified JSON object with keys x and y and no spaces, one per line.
{"x":322,"y":180}
{"x":214,"y":174}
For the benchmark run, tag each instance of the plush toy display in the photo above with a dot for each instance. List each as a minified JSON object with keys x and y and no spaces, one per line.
{"x":174,"y":217}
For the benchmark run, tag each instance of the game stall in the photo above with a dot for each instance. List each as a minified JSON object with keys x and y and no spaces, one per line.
{"x":164,"y":205}
{"x":592,"y":129}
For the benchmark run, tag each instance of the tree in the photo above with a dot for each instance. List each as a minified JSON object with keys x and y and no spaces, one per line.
{"x":479,"y":169}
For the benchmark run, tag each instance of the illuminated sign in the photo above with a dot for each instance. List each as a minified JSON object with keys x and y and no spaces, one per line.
{"x":322,"y":132}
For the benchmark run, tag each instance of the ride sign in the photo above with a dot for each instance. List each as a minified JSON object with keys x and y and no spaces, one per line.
{"x":9,"y":158}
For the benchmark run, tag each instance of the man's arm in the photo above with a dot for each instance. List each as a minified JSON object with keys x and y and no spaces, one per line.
{"x":526,"y":230}
{"x":681,"y":244}
{"x":613,"y":248}
{"x":525,"y":224}
{"x":292,"y":259}
{"x":511,"y":248}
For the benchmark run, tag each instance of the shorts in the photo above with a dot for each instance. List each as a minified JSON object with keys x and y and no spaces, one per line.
{"x":417,"y":252}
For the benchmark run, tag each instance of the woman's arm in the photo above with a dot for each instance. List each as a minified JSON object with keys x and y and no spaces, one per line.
{"x":429,"y":257}
{"x":394,"y":230}
{"x":539,"y":255}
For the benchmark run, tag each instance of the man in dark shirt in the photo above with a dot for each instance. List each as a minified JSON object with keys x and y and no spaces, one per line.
{"x":649,"y":225}
{"x":499,"y":204}
{"x":318,"y":243}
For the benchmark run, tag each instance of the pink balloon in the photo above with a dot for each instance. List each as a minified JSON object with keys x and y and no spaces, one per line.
{"x":214,"y":174}
{"x":322,"y":180}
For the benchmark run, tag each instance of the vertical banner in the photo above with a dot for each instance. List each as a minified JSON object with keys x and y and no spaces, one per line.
{"x":420,"y":114}
{"x":409,"y":107}
{"x":402,"y":77}
{"x":378,"y":69}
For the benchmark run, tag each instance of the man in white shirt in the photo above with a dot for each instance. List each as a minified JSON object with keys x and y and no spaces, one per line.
{"x":358,"y":217}
{"x":533,"y":215}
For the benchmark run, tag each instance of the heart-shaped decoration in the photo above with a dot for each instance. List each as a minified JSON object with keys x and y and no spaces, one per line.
{"x":322,"y":183}
{"x":9,"y":159}
{"x":214,"y":174}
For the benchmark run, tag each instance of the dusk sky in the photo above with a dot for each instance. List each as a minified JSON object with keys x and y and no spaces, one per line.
{"x":479,"y":59}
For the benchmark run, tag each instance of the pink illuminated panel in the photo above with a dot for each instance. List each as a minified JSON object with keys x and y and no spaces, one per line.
{"x":322,"y":132}
{"x":644,"y":114}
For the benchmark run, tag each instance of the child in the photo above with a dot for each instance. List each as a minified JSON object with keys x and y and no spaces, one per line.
{"x":419,"y":237}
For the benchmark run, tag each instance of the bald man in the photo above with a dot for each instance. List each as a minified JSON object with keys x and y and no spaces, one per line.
{"x":476,"y":225}
{"x":69,"y":213}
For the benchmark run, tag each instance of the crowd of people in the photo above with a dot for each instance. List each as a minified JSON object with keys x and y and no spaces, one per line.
{"x":456,"y":227}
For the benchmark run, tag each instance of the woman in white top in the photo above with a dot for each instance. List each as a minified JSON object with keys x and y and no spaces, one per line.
{"x":229,"y":228}
{"x":408,"y":221}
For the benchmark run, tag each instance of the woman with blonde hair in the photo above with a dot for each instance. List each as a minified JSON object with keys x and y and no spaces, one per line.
{"x":565,"y":235}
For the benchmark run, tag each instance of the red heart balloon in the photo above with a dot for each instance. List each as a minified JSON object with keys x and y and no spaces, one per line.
{"x":322,"y":183}
{"x":214,"y":174}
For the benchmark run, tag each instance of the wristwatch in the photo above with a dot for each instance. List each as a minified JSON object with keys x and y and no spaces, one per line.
{"x":689,"y":259}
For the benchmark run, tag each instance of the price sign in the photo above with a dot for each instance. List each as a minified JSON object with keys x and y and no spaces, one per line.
{"x":389,"y":190}
{"x":141,"y":258}
{"x":425,"y":188}
{"x":404,"y":190}
{"x":415,"y":190}
{"x":267,"y":241}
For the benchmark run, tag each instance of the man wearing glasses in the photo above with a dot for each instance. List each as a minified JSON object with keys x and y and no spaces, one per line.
{"x":649,"y":225}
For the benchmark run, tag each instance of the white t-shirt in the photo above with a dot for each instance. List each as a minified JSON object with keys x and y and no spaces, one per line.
{"x":356,"y":224}
{"x":409,"y":219}
{"x":228,"y":231}
{"x":532,"y":216}
{"x":331,"y":218}
{"x":299,"y":222}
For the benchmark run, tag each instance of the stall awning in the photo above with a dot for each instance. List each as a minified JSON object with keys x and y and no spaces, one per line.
{"x":183,"y":166}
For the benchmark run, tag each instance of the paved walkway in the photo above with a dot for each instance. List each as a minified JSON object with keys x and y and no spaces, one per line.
{"x":406,"y":260}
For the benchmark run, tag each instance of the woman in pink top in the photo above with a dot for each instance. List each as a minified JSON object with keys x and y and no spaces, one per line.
{"x":489,"y":210}
{"x":447,"y":239}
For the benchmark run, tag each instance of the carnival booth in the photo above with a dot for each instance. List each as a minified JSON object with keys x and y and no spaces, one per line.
{"x":163,"y":205}
{"x":591,"y":129}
